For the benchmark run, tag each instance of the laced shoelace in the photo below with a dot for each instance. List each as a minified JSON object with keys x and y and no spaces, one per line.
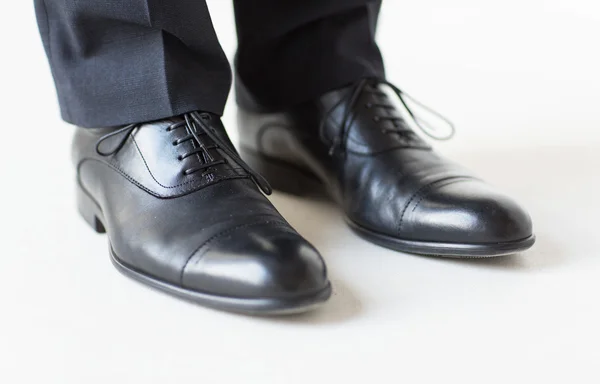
{"x":194,"y":122}
{"x":370,"y":85}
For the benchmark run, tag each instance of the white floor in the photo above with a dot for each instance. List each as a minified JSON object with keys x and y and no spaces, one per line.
{"x":524,"y":91}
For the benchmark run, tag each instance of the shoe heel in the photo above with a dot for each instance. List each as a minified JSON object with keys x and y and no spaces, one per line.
{"x":89,"y":210}
{"x":282,"y":176}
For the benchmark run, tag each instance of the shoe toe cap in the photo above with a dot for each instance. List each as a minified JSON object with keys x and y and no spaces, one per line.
{"x":256,"y":261}
{"x":465,"y":211}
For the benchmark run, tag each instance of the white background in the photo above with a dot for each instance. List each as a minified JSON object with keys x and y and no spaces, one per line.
{"x":520,"y":78}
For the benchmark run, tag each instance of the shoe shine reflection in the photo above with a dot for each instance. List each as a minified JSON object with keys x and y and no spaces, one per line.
{"x":185,"y":214}
{"x":394,"y":189}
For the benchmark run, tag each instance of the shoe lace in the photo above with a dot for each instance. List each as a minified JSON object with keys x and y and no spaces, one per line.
{"x":197,"y":127}
{"x":370,"y":85}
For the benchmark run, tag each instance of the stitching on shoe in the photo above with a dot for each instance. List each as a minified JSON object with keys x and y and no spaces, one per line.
{"x":221,"y":234}
{"x":154,"y":178}
{"x":422,"y":193}
{"x":182,"y":192}
{"x":416,"y":144}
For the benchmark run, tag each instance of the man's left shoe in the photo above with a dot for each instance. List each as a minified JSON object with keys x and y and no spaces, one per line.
{"x":394,"y":189}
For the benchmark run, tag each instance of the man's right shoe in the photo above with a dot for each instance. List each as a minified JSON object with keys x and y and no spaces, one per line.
{"x":184,"y":214}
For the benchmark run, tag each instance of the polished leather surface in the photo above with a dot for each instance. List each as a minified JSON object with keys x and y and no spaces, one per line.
{"x":210,"y":231}
{"x":384,"y":176}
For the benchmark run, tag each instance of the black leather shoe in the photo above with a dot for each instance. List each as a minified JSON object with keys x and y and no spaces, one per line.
{"x":183,"y":214}
{"x":394,"y":190}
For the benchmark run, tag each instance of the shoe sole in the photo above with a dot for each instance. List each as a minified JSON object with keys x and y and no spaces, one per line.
{"x":451,"y":250}
{"x":265,"y":306}
{"x":291,"y":179}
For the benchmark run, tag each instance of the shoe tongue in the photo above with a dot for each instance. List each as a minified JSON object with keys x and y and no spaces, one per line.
{"x":208,"y":132}
{"x":370,"y":123}
{"x":203,"y":140}
{"x":383,"y":107}
{"x":214,"y":123}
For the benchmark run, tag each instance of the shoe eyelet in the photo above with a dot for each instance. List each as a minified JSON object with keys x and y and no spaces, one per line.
{"x":376,"y":119}
{"x":175,"y":143}
{"x":369,"y":105}
{"x":180,"y":158}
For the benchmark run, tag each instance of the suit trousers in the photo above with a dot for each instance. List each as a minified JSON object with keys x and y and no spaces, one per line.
{"x":121,"y":62}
